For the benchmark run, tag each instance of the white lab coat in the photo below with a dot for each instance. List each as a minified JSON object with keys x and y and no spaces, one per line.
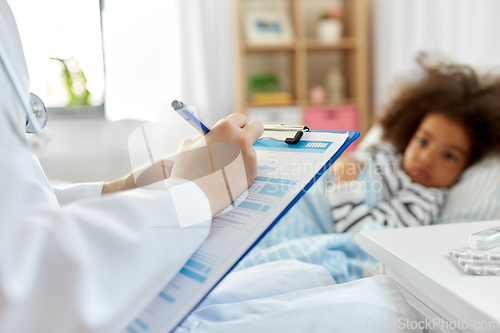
{"x":90,"y":265}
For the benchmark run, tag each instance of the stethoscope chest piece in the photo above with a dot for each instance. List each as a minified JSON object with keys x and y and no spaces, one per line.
{"x":40,"y":112}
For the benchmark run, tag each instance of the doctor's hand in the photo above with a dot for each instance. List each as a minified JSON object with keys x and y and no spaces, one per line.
{"x":227,"y":147}
{"x":222,"y":163}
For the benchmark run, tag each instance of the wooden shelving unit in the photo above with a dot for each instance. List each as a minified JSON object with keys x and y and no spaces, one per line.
{"x":303,"y":61}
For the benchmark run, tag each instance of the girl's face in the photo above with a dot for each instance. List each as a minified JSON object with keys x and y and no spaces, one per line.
{"x":438,"y":152}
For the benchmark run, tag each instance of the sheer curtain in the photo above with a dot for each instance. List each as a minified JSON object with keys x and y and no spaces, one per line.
{"x":207,"y":57}
{"x":160,"y":50}
{"x":464,"y":31}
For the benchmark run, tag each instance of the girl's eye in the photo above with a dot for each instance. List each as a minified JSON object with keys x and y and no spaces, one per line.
{"x":423,"y":142}
{"x":450,"y":157}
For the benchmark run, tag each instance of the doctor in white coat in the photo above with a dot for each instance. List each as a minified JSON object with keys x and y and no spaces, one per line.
{"x":92,"y":265}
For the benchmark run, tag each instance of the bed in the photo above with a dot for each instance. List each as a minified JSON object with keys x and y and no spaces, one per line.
{"x":305,"y":233}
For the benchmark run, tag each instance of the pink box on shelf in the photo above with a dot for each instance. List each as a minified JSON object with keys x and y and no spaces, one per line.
{"x":334,"y":117}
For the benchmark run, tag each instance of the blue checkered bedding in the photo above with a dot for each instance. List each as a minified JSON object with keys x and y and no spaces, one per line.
{"x":340,"y":254}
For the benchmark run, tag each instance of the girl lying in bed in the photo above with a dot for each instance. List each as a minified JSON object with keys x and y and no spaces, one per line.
{"x":433,"y":130}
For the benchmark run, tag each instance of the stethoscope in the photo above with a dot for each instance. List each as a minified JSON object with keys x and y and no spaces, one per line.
{"x":36,"y":112}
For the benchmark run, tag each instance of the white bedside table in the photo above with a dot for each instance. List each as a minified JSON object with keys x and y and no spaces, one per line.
{"x":418,"y":260}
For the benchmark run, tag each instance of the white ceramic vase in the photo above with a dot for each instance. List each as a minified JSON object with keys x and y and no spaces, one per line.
{"x":330,"y":31}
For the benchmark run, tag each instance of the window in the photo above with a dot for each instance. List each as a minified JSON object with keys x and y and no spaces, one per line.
{"x":62,"y":43}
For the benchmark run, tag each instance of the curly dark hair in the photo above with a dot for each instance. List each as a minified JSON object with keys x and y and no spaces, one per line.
{"x":455,"y":91}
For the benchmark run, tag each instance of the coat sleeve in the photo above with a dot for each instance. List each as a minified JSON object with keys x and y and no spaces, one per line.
{"x":93,"y":264}
{"x":75,"y":192}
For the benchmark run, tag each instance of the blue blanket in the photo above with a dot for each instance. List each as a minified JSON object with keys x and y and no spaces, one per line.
{"x":305,"y":233}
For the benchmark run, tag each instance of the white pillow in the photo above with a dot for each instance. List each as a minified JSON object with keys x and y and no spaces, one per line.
{"x":476,"y":197}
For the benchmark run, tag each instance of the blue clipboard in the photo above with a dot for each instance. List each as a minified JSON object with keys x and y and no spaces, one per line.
{"x":353,"y":136}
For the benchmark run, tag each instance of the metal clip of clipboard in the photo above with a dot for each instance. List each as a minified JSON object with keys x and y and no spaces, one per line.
{"x":281,"y":127}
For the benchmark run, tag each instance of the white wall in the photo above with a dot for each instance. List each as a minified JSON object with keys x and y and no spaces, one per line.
{"x":464,"y":31}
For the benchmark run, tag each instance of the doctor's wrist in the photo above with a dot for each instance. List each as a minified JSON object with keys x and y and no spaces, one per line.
{"x":117,"y":186}
{"x":111,"y":187}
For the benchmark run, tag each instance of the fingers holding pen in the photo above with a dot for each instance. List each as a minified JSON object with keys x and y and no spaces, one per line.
{"x":239,"y":118}
{"x":238,"y":129}
{"x":254,"y":130}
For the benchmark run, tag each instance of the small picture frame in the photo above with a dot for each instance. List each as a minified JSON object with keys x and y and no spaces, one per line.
{"x":267,"y":22}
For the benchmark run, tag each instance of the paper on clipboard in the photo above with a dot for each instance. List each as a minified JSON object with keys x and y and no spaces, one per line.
{"x":283,"y":172}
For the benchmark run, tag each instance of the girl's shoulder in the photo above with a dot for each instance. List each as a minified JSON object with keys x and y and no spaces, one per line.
{"x":385,"y":148}
{"x":384,"y":153}
{"x":366,"y":154}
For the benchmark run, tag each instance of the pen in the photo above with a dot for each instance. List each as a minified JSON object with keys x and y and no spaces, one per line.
{"x":190,"y":117}
{"x":203,"y":128}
